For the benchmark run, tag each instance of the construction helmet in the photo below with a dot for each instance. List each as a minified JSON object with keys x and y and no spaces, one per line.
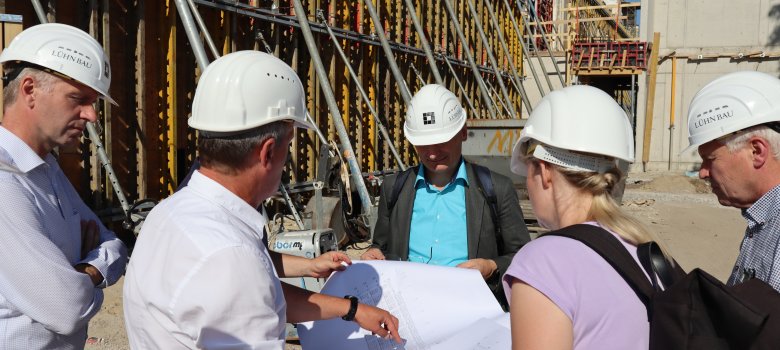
{"x":64,"y":50}
{"x":246,"y":89}
{"x":577,"y":127}
{"x":433,"y":116}
{"x":731,"y":103}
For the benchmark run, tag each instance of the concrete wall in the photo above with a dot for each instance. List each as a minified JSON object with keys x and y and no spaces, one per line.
{"x":691,"y":28}
{"x":530,"y":86}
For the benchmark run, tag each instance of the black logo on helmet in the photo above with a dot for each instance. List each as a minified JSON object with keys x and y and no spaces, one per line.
{"x":429,"y":118}
{"x":71,"y":55}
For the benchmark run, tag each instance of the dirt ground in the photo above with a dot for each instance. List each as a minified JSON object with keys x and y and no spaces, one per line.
{"x":681,"y":210}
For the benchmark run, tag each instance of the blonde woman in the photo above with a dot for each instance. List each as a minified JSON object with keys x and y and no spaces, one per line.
{"x":562,"y":294}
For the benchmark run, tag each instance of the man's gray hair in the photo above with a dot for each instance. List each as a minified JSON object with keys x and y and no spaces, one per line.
{"x":45,"y":82}
{"x":229,"y":154}
{"x":739,"y":140}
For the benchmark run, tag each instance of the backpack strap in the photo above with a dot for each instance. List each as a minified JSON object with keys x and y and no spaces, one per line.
{"x":397,"y":186}
{"x":613,"y":252}
{"x":485,"y":183}
{"x":656,"y":264}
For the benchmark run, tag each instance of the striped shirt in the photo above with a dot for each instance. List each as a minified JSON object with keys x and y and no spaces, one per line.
{"x":44,"y":302}
{"x":759,"y":254}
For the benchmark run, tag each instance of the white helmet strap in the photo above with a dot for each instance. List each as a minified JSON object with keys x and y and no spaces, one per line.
{"x":573,"y":160}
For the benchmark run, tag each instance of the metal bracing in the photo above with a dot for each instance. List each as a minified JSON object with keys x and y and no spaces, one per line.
{"x":192,"y":34}
{"x":363,"y":93}
{"x":483,"y":88}
{"x":424,"y":42}
{"x":380,"y":32}
{"x":526,"y":52}
{"x":515,"y":77}
{"x":203,"y":29}
{"x":347,"y":152}
{"x":540,"y":28}
{"x":494,"y":64}
{"x":460,"y":86}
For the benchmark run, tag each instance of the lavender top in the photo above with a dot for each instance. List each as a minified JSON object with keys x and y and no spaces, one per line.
{"x":605,"y":312}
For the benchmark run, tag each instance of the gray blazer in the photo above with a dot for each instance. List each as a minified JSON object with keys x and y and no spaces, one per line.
{"x":391,"y":232}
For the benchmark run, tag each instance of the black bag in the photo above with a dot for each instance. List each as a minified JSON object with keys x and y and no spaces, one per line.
{"x":695,"y":310}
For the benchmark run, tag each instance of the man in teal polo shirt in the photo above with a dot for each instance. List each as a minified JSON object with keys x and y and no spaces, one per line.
{"x":441,"y":215}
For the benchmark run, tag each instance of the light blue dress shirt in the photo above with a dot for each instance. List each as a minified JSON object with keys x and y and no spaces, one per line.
{"x":44,"y":302}
{"x":438,"y":229}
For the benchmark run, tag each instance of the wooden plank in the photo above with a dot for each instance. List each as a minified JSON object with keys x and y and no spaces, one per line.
{"x":580,"y":20}
{"x":652,"y":69}
{"x":583,"y":8}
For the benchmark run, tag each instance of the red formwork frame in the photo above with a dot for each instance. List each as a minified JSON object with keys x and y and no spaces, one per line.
{"x":609,"y":55}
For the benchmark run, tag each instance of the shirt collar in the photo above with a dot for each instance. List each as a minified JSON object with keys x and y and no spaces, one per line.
{"x":221,"y":196}
{"x":459,"y":175}
{"x":764,"y":209}
{"x":22,"y":156}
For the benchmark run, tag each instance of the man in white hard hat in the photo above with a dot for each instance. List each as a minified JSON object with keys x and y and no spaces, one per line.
{"x":441,"y":212}
{"x":200,"y":276}
{"x":56,"y":255}
{"x":734,"y":121}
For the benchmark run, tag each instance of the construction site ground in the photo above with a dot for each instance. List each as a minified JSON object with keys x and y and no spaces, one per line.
{"x":680,"y":209}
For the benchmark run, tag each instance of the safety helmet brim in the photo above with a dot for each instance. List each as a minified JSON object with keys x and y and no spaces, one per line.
{"x":65,"y":51}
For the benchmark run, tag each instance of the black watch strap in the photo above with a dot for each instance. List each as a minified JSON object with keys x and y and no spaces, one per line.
{"x":353,"y":305}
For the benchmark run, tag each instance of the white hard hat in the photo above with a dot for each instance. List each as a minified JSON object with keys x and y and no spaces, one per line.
{"x":434,"y":116}
{"x":731,"y":103}
{"x":246,"y":89}
{"x":63,"y":49}
{"x":580,"y":127}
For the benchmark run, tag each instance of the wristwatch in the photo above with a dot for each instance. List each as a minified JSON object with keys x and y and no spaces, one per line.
{"x":353,"y":305}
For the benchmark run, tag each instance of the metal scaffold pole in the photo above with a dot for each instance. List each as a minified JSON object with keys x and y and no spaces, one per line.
{"x":424,"y":42}
{"x":542,"y":32}
{"x":483,"y":88}
{"x":460,"y":85}
{"x":515,"y":78}
{"x":322,"y":75}
{"x":203,"y":29}
{"x":538,"y":56}
{"x":380,"y":32}
{"x":362,"y":91}
{"x":494,"y":64}
{"x":192,"y":34}
{"x":526,"y":52}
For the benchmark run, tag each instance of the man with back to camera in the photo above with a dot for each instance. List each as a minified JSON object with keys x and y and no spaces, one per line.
{"x":56,"y":255}
{"x":441,"y":213}
{"x":734,"y":121}
{"x":200,"y":276}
